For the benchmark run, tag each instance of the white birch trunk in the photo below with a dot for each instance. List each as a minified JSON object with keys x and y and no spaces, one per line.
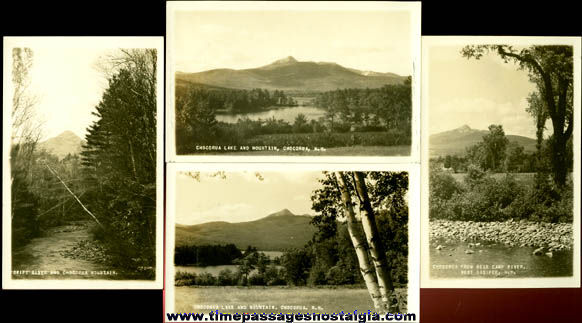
{"x":359,"y":244}
{"x":376,"y":248}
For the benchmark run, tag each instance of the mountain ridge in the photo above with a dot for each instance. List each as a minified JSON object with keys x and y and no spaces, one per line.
{"x":275,"y":232}
{"x":290,"y":74}
{"x":457,"y":140}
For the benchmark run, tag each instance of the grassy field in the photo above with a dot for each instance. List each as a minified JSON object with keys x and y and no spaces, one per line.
{"x":373,"y":151}
{"x":232,"y":299}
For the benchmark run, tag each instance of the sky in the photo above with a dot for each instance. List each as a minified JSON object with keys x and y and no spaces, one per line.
{"x":68,"y":86}
{"x":367,"y":40}
{"x":477,"y":93}
{"x":242,"y":197}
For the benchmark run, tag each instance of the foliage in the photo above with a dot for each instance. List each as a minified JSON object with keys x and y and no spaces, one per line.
{"x":207,"y":255}
{"x":119,"y":160}
{"x":334,"y":258}
{"x":483,"y":198}
{"x":389,"y":107}
{"x":371,"y":117}
{"x":551,"y":68}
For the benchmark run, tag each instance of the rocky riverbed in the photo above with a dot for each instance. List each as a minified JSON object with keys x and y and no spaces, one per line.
{"x":550,"y":236}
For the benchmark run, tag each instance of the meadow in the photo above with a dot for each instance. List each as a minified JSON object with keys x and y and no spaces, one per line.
{"x":236,"y":299}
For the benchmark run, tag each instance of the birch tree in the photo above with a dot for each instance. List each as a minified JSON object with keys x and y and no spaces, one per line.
{"x":377,"y":252}
{"x":360,"y":245}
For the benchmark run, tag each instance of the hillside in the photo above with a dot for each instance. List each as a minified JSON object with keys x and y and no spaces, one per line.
{"x":62,"y":145}
{"x":294,"y":76}
{"x":456,"y":141}
{"x":275,"y":232}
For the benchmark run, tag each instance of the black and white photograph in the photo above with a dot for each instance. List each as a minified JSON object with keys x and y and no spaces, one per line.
{"x":299,"y":239}
{"x":501,"y":162}
{"x":82,"y":171}
{"x":287,"y":79}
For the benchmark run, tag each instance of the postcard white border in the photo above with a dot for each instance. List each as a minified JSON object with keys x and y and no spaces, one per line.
{"x":413,"y":208}
{"x":77,"y":42}
{"x":427,"y":281}
{"x":415,"y":26}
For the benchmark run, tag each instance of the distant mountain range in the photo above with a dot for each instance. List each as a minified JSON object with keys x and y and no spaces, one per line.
{"x":275,"y":232}
{"x":62,"y":145}
{"x":456,"y":141}
{"x":291,"y":75}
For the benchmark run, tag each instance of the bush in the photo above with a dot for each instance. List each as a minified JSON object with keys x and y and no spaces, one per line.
{"x":256,"y":279}
{"x":274,"y":276}
{"x":206,"y":279}
{"x":227,"y":278}
{"x":185,"y":279}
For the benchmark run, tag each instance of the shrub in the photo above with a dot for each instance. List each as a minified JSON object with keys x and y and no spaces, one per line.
{"x":185,"y":279}
{"x":227,"y":278}
{"x":206,"y":279}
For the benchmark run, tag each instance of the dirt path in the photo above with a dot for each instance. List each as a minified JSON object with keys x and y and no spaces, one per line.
{"x":51,"y":256}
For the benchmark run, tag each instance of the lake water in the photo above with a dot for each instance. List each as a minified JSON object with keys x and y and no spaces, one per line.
{"x":497,"y":261}
{"x":215,"y":270}
{"x":288,"y":114}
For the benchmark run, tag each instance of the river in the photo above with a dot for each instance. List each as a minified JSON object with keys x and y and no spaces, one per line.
{"x":48,"y":256}
{"x":497,"y":261}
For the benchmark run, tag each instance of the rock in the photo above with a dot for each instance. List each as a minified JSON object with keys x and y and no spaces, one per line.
{"x":538,"y":251}
{"x":469,"y":251}
{"x":439,"y":247}
{"x":549,"y":254}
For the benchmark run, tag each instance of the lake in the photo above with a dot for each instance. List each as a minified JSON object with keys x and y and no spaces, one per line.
{"x":288,"y":114}
{"x":497,"y":261}
{"x":215,"y":270}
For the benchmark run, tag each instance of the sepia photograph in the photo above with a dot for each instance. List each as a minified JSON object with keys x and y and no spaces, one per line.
{"x":285,"y":79}
{"x":501,"y":162}
{"x":82,"y":168}
{"x":297,"y":240}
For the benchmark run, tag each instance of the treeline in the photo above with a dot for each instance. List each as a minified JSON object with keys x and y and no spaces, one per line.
{"x":382,"y":109}
{"x":119,"y":162}
{"x":207,"y":255}
{"x":496,"y":153}
{"x":230,"y":100}
{"x":368,"y":117}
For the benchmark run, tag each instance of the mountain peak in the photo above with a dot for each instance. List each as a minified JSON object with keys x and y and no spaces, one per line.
{"x":65,"y":143}
{"x":286,"y":60}
{"x":463,"y":128}
{"x":68,"y":134}
{"x":283,"y":212}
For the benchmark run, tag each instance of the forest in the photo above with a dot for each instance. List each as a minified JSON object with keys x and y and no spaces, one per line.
{"x":353,"y":117}
{"x":332,"y":257}
{"x":110,"y":187}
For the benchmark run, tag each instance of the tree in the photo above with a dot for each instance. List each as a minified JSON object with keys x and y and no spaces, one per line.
{"x":359,"y":243}
{"x":366,"y":238}
{"x":495,"y":144}
{"x":374,"y":243}
{"x":119,"y":159}
{"x":24,"y":138}
{"x":551,"y":69}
